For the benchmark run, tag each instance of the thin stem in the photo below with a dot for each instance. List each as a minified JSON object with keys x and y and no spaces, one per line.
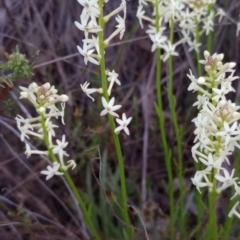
{"x":172,"y":102}
{"x":172,"y":97}
{"x":212,"y":222}
{"x":86,"y":214}
{"x":198,"y":165}
{"x":210,"y":35}
{"x":161,"y":117}
{"x":159,"y":105}
{"x":199,"y":66}
{"x":124,"y":209}
{"x":212,"y":233}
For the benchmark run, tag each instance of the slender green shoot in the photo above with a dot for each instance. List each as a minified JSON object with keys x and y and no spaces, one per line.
{"x":130,"y":230}
{"x":86,"y":213}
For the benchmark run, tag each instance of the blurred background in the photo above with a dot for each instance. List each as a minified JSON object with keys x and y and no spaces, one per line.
{"x":30,"y":207}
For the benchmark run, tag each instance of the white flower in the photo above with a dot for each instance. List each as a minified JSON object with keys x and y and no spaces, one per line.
{"x":140,"y":14}
{"x":202,"y":100}
{"x":123,"y":124}
{"x":194,"y":45}
{"x":194,"y":85}
{"x":151,"y":30}
{"x":87,"y":28}
{"x":208,"y":23}
{"x":227,"y":179}
{"x":89,"y":91}
{"x":220,"y":93}
{"x":92,"y":43}
{"x":112,"y":78}
{"x":187,"y":17}
{"x":228,"y":132}
{"x":26,"y":127}
{"x":211,"y":162}
{"x":58,"y":149}
{"x":29,"y":93}
{"x":90,"y":9}
{"x":88,"y":54}
{"x":197,"y":180}
{"x":169,"y":50}
{"x":121,"y":25}
{"x":173,"y":10}
{"x":51,"y":171}
{"x":158,"y":39}
{"x":109,"y":107}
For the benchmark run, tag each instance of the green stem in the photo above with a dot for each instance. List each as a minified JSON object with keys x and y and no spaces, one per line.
{"x":124,"y":209}
{"x":86,"y":213}
{"x":161,"y":117}
{"x":172,"y":98}
{"x":159,"y":106}
{"x":172,"y":102}
{"x":212,"y":232}
{"x":210,"y":35}
{"x":199,"y":66}
{"x":212,"y":222}
{"x":198,"y":165}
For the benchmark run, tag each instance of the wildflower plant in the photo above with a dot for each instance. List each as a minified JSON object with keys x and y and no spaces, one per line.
{"x":45,"y":99}
{"x":92,"y":23}
{"x":217,"y":132}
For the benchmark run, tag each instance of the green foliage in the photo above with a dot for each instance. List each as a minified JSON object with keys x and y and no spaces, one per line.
{"x":17,"y":66}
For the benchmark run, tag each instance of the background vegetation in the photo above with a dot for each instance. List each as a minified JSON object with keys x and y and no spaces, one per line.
{"x":30,"y":207}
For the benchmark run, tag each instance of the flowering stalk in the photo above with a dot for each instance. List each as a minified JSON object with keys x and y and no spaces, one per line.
{"x":169,"y":11}
{"x":86,"y":213}
{"x":113,"y":126}
{"x":44,"y":99}
{"x":217,"y":133}
{"x":159,"y":105}
{"x":93,"y":22}
{"x":172,"y":102}
{"x":161,"y":117}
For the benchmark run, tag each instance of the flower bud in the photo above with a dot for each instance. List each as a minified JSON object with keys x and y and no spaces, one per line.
{"x":64,"y":98}
{"x":50,"y":99}
{"x":201,"y":80}
{"x":220,"y":56}
{"x":231,"y":65}
{"x":42,"y":110}
{"x":206,"y":54}
{"x":47,"y":85}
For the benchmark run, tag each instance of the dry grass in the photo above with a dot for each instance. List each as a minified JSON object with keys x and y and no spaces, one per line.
{"x":30,"y":207}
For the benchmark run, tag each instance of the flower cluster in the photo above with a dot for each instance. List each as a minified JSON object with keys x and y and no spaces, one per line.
{"x":189,"y":15}
{"x":217,"y":129}
{"x":91,"y":53}
{"x":44,"y":98}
